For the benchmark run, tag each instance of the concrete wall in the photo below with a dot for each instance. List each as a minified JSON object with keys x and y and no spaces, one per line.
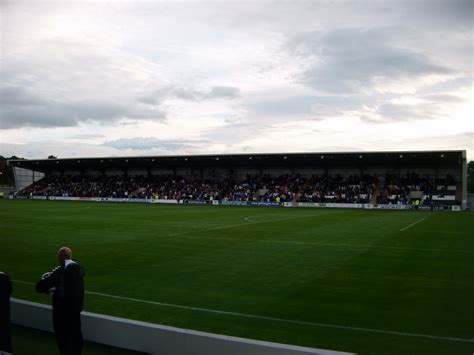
{"x":154,"y":338}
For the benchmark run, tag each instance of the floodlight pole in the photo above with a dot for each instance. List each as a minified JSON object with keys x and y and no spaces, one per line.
{"x":464,"y":181}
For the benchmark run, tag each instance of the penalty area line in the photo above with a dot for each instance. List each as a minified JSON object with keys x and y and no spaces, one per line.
{"x":412,"y":224}
{"x":274,"y":319}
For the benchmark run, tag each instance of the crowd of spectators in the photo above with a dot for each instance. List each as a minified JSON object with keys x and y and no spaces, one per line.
{"x":266,"y":188}
{"x":398,"y":189}
{"x":252,"y":188}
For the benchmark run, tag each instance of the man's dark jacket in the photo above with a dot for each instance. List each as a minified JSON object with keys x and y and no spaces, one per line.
{"x":67,"y":286}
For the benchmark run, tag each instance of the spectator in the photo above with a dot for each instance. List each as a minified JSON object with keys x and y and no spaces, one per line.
{"x":66,"y":284}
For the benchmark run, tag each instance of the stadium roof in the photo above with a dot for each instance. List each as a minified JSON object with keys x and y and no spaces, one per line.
{"x":448,"y":158}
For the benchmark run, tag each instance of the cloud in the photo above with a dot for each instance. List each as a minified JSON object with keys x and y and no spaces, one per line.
{"x":409,"y":108}
{"x":441,"y":13}
{"x":215,"y":92}
{"x":22,"y":109}
{"x":223,"y":92}
{"x":284,"y":106}
{"x":41,"y":150}
{"x":444,"y":98}
{"x":187,"y":94}
{"x":18,"y":96}
{"x":86,"y":136}
{"x":61,"y":82}
{"x":316,"y":106}
{"x":458,"y":141}
{"x":147,"y":143}
{"x":191,"y":94}
{"x":233,"y":132}
{"x":465,"y":82}
{"x":347,"y":61}
{"x":400,"y":112}
{"x":233,"y":75}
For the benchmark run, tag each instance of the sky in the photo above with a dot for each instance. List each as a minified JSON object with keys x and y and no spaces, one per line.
{"x":91,"y":78}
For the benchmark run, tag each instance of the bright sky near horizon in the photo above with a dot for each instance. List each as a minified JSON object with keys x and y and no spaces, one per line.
{"x":91,"y":78}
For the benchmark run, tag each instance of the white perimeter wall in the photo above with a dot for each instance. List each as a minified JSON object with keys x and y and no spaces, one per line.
{"x":153,"y":338}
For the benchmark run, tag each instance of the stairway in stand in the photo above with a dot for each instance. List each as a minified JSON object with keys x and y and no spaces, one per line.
{"x":376,"y":193}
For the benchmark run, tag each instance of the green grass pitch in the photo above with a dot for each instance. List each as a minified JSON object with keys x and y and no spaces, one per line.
{"x":371,"y":282}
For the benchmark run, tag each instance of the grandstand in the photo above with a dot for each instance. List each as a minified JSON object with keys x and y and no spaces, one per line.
{"x":432,"y":179}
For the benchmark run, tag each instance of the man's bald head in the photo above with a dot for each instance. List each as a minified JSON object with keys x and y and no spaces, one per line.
{"x":64,"y":253}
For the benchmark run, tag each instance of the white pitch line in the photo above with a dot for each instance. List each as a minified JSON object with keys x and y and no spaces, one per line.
{"x":275,"y":319}
{"x":411,"y":225}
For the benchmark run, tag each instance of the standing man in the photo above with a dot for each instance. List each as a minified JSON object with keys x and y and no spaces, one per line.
{"x":5,"y":332}
{"x":66,"y":284}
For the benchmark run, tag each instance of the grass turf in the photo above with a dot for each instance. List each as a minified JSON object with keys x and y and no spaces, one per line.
{"x":345,"y":280}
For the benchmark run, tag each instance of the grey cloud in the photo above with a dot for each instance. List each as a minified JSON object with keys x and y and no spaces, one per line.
{"x":463,"y":140}
{"x":459,"y":83}
{"x":187,"y":94}
{"x":302,"y":14}
{"x":372,"y":109}
{"x":146,"y":143}
{"x":190,"y":94}
{"x":452,"y":13}
{"x":20,"y":108}
{"x":42,"y":149}
{"x":151,"y":100}
{"x":349,"y":60}
{"x":388,"y":112}
{"x":157,"y":96}
{"x":86,"y":136}
{"x":234,"y":132}
{"x":371,"y":119}
{"x":431,"y":107}
{"x":446,"y":98}
{"x":40,"y":118}
{"x":216,"y":92}
{"x":404,"y":112}
{"x":61,"y":82}
{"x":18,"y":96}
{"x":285,"y":106}
{"x":112,"y":111}
{"x":223,"y":92}
{"x":318,"y":106}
